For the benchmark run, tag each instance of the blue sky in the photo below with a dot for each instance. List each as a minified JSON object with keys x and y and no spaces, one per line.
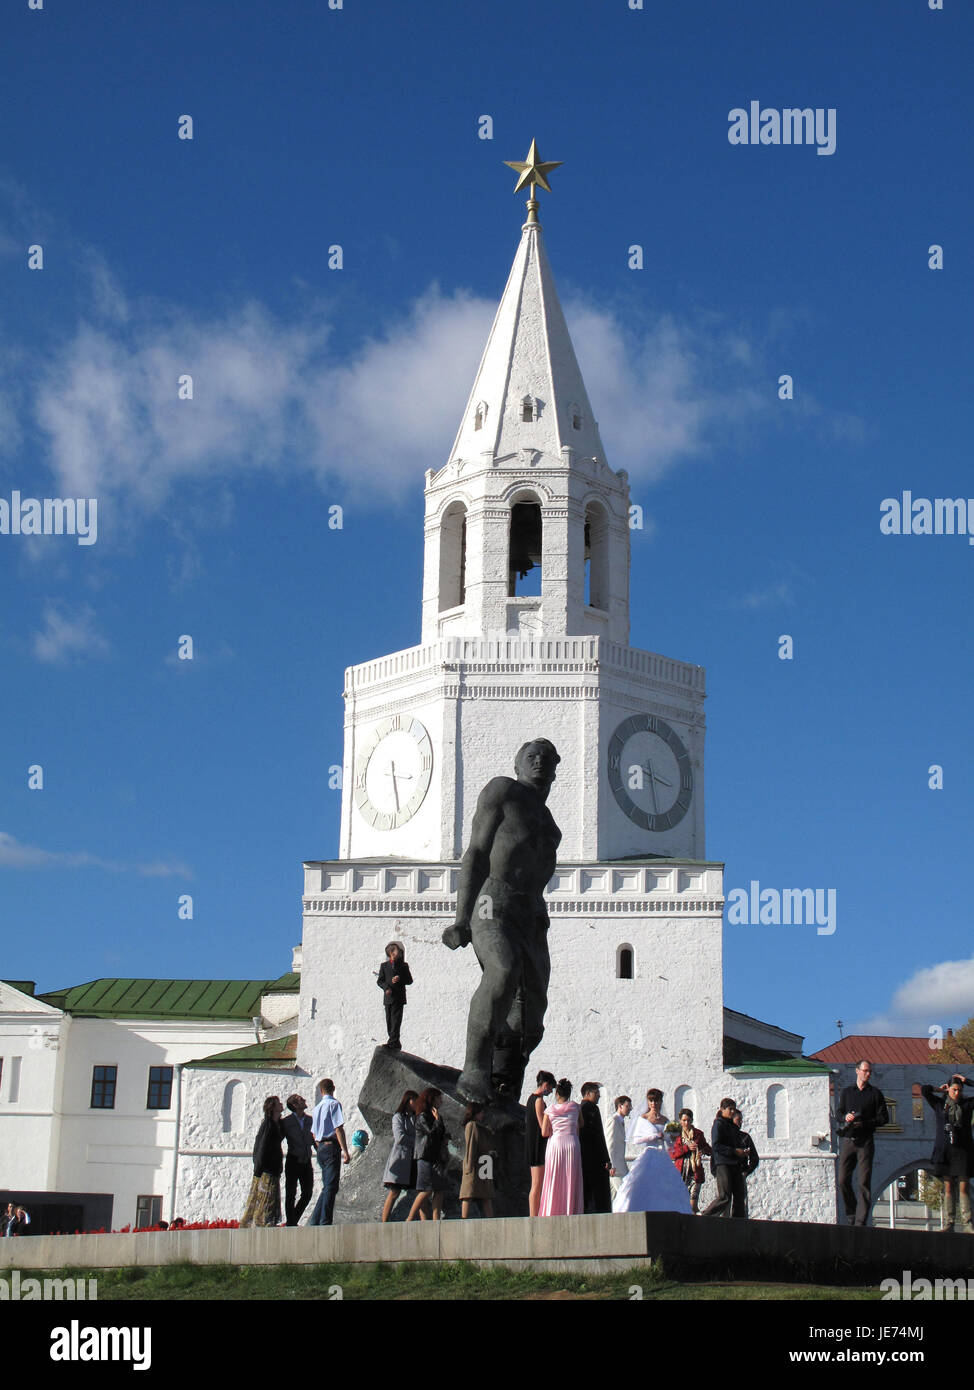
{"x":314,"y":387}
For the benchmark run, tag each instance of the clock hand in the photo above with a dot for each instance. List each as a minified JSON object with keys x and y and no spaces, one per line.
{"x":654,"y":777}
{"x":395,"y":788}
{"x":652,"y":786}
{"x":396,"y":776}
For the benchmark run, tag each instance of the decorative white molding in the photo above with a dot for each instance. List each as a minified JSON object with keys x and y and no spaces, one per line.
{"x":562,"y":654}
{"x":446,"y":907}
{"x":593,"y":890}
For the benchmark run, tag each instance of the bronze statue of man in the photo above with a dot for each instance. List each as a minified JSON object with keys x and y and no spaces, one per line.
{"x":501,"y":909}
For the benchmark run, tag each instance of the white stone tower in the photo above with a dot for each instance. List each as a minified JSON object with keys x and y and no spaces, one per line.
{"x":525,"y":629}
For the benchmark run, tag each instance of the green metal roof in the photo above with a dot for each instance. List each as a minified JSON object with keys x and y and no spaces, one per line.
{"x":285,"y":984}
{"x":25,"y":986}
{"x":740,"y":1054}
{"x":217,"y":1000}
{"x":794,"y":1067}
{"x":277,"y":1054}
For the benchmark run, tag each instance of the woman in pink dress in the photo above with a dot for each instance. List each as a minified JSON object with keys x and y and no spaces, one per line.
{"x":561,"y":1191}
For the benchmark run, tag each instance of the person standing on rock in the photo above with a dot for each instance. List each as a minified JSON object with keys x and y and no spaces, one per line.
{"x":394,"y":975}
{"x":501,"y":909}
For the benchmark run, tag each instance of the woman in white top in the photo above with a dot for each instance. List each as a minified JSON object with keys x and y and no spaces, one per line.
{"x":652,"y":1184}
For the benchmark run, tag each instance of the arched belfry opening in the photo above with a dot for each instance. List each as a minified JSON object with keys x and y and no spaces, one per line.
{"x":596,"y":556}
{"x":525,"y":550}
{"x":453,"y":556}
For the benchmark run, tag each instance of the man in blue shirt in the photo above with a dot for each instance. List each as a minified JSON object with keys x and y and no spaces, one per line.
{"x":328,"y":1131}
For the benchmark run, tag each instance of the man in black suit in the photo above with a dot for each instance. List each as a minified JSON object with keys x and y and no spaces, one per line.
{"x":861,"y":1111}
{"x":296,"y":1127}
{"x":595,"y":1154}
{"x":393,"y":978}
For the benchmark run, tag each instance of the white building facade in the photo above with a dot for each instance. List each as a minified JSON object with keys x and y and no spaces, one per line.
{"x":92,"y":1088}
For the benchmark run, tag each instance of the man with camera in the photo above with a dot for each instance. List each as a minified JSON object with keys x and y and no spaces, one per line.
{"x":861,"y":1111}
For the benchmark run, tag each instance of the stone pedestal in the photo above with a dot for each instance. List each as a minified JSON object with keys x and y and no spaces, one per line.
{"x":361,"y":1194}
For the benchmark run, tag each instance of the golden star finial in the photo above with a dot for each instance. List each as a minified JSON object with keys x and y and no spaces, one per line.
{"x":533,"y":172}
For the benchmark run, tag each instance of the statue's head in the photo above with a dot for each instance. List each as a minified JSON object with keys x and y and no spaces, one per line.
{"x":536,"y":762}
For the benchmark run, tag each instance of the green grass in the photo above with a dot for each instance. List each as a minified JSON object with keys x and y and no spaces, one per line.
{"x":415,"y":1282}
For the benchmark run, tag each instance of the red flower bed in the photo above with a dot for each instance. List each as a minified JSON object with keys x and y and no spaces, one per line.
{"x":127,"y":1230}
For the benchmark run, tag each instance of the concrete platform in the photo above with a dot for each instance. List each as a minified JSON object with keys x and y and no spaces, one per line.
{"x":689,"y":1247}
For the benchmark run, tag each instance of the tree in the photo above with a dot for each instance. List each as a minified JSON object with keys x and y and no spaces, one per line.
{"x":958,"y":1048}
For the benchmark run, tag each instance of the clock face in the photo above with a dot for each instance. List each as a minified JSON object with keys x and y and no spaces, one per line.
{"x":393,"y":771}
{"x":649,"y":772}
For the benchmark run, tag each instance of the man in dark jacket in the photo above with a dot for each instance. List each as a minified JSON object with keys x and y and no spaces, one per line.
{"x":861,"y":1111}
{"x":392,"y":979}
{"x":296,"y":1128}
{"x":725,"y":1139}
{"x":595,"y":1154}
{"x":750,"y":1163}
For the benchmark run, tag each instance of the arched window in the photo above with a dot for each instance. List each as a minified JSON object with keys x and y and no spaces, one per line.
{"x":917,"y":1095}
{"x":453,"y":556}
{"x":524,"y":566}
{"x":777,"y":1112}
{"x":625,"y":962}
{"x":596,"y":557}
{"x":234,"y":1102}
{"x":480,"y":415}
{"x":575,"y":416}
{"x":685,"y":1099}
{"x":527,"y":410}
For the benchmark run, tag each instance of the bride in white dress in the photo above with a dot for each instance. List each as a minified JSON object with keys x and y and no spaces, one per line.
{"x":653,"y":1183}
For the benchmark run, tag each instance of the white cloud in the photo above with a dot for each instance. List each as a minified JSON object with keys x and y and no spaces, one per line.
{"x":274,"y":395}
{"x":14,"y":855}
{"x":938,"y":994}
{"x":66,"y":635}
{"x":657,"y":395}
{"x":393,"y":411}
{"x":775,"y":595}
{"x":279,"y":395}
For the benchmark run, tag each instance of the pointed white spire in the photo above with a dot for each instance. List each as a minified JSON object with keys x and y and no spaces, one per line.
{"x":528,"y":393}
